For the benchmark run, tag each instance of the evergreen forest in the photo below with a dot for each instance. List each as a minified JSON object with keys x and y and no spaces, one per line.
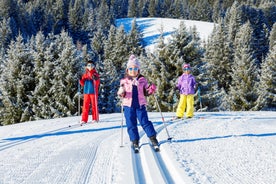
{"x":44,"y":45}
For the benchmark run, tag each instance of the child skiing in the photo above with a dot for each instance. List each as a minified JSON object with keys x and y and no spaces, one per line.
{"x":133,"y":89}
{"x":186,"y":84}
{"x":90,"y":81}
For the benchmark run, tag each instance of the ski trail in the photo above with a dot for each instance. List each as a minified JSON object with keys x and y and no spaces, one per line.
{"x":15,"y":141}
{"x":153,"y":165}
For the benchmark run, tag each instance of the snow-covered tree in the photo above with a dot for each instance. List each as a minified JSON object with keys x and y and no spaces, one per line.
{"x":167,"y":60}
{"x":43,"y":74}
{"x":272,"y":37}
{"x":242,"y":92}
{"x":134,"y":39}
{"x":5,"y":33}
{"x":218,"y":57}
{"x":65,"y":76}
{"x":17,"y":83}
{"x":110,"y":81}
{"x":267,"y":86}
{"x":132,"y":8}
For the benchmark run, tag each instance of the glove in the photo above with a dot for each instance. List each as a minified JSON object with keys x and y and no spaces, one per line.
{"x":95,"y":77}
{"x":151,"y":89}
{"x":121,"y":91}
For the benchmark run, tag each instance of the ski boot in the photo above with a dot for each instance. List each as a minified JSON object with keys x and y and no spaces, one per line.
{"x":135,"y":146}
{"x":154,"y":143}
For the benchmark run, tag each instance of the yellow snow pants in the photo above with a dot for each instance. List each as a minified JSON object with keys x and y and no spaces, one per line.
{"x":186,"y":102}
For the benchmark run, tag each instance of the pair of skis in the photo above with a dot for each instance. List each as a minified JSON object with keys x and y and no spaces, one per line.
{"x":156,"y":148}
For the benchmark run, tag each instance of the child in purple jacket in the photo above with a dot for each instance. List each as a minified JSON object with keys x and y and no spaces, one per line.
{"x":133,"y":90}
{"x":186,"y":85}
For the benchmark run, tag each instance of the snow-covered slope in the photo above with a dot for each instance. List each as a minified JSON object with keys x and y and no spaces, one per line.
{"x":151,"y":28}
{"x":217,"y":148}
{"x":232,"y":147}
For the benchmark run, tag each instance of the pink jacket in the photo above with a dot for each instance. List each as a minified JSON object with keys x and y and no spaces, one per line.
{"x":142,"y":85}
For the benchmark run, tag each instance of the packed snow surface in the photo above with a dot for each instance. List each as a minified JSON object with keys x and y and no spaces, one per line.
{"x":217,"y":148}
{"x":221,"y":147}
{"x":151,"y":28}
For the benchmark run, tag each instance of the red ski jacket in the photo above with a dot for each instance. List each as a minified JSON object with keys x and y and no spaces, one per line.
{"x":90,"y":80}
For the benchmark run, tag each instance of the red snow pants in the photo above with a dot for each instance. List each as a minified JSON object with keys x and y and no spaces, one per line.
{"x":89,"y":99}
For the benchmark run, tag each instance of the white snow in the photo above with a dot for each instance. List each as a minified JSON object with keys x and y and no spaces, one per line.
{"x":151,"y":28}
{"x":217,"y":148}
{"x":220,"y":147}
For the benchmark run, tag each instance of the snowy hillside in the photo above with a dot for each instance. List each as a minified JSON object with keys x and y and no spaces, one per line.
{"x":211,"y":148}
{"x":233,"y":147}
{"x":151,"y":28}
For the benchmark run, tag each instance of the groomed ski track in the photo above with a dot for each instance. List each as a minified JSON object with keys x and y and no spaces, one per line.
{"x":74,"y":161}
{"x":219,"y":147}
{"x":156,"y":165}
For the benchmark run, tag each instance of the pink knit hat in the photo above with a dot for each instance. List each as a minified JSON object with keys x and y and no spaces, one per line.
{"x":133,"y":61}
{"x":186,"y":66}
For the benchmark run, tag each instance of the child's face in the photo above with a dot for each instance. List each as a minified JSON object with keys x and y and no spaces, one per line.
{"x":186,"y":70}
{"x":89,"y":66}
{"x":133,"y":71}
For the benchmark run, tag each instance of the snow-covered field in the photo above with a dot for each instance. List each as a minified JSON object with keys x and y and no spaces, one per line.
{"x":217,"y":148}
{"x":221,"y":147}
{"x":151,"y":28}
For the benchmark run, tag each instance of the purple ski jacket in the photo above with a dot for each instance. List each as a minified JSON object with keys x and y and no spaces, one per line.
{"x":141,"y":83}
{"x":186,"y":84}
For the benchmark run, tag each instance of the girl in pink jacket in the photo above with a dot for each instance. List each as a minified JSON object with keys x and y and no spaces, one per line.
{"x":133,"y":90}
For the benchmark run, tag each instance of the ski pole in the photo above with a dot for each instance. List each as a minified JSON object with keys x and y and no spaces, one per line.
{"x":122,"y":122}
{"x":199,"y":99}
{"x":96,"y":101}
{"x":79,"y":98}
{"x":169,"y":138}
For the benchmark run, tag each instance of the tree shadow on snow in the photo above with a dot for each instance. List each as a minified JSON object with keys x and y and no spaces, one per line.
{"x":224,"y":137}
{"x":61,"y":133}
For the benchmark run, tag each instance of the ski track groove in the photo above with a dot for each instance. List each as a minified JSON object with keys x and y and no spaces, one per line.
{"x":85,"y":174}
{"x":148,"y":163}
{"x":11,"y":143}
{"x":90,"y":156}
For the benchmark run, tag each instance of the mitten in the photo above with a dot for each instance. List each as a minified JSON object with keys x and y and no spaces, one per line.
{"x":121,"y":91}
{"x":95,"y":76}
{"x":151,"y":89}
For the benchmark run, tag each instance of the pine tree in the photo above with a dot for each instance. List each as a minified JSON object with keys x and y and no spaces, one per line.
{"x":109,"y":86}
{"x":104,"y":18}
{"x":167,"y":61}
{"x":218,"y":55}
{"x":132,"y":8}
{"x":242,"y":93}
{"x":135,"y":39}
{"x":152,"y":10}
{"x":267,"y":86}
{"x":43,"y":57}
{"x":75,"y":20}
{"x":260,"y":31}
{"x":65,"y":76}
{"x":17,"y":83}
{"x":272,"y":37}
{"x":5,"y":33}
{"x":203,"y":11}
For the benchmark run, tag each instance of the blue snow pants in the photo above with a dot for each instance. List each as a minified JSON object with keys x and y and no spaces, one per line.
{"x":140,"y":113}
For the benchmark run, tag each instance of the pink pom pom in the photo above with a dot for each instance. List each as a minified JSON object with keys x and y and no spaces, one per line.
{"x":132,"y":57}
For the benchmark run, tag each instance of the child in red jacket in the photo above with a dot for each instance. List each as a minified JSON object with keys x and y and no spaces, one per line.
{"x":90,"y":81}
